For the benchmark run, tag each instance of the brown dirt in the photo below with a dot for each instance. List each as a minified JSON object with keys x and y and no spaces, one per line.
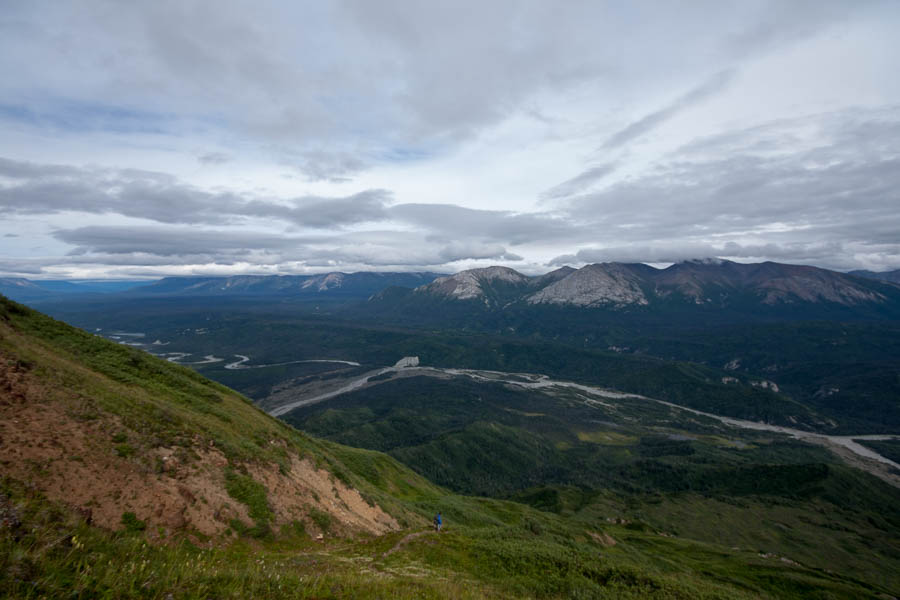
{"x":602,"y":538}
{"x":73,"y":460}
{"x":304,"y":486}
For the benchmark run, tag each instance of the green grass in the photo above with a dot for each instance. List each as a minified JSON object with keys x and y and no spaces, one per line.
{"x":502,"y":550}
{"x":658,"y":467}
{"x":490,"y":549}
{"x":132,"y":523}
{"x":254,"y":496}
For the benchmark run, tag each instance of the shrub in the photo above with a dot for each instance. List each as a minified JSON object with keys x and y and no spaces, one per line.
{"x":132,"y":523}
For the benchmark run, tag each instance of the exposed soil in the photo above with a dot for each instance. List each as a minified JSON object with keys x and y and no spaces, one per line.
{"x":73,"y":459}
{"x":304,"y":486}
{"x":602,"y":538}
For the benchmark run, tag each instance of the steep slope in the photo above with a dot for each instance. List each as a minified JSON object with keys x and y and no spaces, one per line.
{"x":112,"y":431}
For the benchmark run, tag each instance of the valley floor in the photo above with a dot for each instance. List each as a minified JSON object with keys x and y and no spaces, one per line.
{"x":289,"y":398}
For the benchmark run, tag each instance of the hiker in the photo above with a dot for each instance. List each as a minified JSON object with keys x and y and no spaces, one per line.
{"x":437,"y":521}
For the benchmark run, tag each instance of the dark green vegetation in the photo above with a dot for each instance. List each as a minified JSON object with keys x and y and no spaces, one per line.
{"x":697,"y":509}
{"x":491,"y":439}
{"x":630,"y":459}
{"x":491,"y":549}
{"x":835,"y":376}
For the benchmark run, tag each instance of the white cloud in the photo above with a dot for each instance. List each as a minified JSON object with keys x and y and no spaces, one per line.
{"x":427,"y":134}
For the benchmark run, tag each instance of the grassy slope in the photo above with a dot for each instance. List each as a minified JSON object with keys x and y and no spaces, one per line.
{"x":634,"y":461}
{"x":492,"y":549}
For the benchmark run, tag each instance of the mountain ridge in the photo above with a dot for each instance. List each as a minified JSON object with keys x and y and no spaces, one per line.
{"x":623,"y":285}
{"x":361,"y":284}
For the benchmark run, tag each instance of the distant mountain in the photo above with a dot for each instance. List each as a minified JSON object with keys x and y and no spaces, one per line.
{"x":82,"y":286}
{"x":772,"y":283}
{"x":697,"y":282}
{"x":490,"y":285}
{"x":24,"y":290}
{"x":607,"y":284}
{"x":348,"y":285}
{"x":892,"y":276}
{"x":21,"y":289}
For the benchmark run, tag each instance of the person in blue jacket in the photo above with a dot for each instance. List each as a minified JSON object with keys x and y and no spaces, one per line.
{"x":437,"y":521}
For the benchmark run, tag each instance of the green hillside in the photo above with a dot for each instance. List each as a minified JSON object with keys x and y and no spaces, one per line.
{"x":125,"y":476}
{"x":633,"y":460}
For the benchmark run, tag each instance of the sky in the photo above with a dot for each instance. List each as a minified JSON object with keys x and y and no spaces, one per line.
{"x":149,"y":139}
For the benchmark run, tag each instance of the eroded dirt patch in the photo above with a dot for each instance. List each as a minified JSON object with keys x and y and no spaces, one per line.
{"x":80,"y":461}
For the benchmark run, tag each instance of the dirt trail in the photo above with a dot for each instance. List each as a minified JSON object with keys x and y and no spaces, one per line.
{"x":406,"y":540}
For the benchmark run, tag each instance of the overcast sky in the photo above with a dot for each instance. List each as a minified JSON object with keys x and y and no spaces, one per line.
{"x":140,"y":139}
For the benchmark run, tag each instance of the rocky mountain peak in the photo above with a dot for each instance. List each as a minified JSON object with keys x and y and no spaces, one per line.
{"x":594,"y":285}
{"x":324,"y":282}
{"x":471,"y":284}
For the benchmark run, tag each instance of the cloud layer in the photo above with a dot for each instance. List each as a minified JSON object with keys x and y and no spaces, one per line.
{"x":199,"y":137}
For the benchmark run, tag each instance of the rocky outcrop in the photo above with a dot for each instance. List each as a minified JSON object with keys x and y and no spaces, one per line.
{"x":322,"y":283}
{"x":407,"y":361}
{"x":594,"y":285}
{"x":474,"y":283}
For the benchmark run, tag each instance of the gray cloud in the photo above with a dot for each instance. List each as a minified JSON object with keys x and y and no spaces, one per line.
{"x":169,"y":241}
{"x":710,"y":87}
{"x":668,"y":252}
{"x":47,"y":189}
{"x":837,"y":196}
{"x":357,"y":79}
{"x":448,"y":221}
{"x":214,"y":158}
{"x":21,"y":267}
{"x":160,"y":246}
{"x":579,"y":183}
{"x":328,"y":90}
{"x":335,"y":167}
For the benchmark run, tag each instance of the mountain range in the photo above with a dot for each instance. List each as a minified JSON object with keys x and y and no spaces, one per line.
{"x":327,"y":285}
{"x":711,"y":283}
{"x":719,"y":283}
{"x":892,"y":276}
{"x":350,"y":285}
{"x":23,"y":289}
